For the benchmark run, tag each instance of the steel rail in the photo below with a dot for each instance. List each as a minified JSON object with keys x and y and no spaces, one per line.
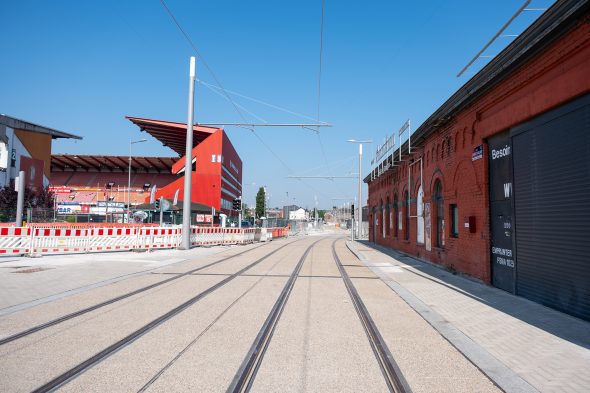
{"x":72,"y":373}
{"x":389,"y":368}
{"x":244,"y":377}
{"x":86,"y":310}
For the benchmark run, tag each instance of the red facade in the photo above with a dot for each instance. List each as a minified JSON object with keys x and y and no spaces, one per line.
{"x":552,"y":76}
{"x":216,"y":176}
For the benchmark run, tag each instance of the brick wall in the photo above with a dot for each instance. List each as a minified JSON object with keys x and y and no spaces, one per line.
{"x":553,"y":77}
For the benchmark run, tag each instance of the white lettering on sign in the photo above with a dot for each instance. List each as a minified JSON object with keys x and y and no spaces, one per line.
{"x":501,"y":152}
{"x":502,"y":251}
{"x":507,"y":189}
{"x":504,"y":262}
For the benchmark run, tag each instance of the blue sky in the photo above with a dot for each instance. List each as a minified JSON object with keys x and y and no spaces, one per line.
{"x":81,"y":66}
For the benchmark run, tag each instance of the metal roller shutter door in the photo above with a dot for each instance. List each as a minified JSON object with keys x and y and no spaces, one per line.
{"x":552,"y":208}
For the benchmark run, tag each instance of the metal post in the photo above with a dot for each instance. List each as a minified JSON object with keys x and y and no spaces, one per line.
{"x":106,"y":211}
{"x":129,"y":187}
{"x":161,"y":211}
{"x":188,"y":164}
{"x":129,"y":180}
{"x":20,"y":188}
{"x":360,"y":201}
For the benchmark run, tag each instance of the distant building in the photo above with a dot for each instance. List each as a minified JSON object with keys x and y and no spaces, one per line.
{"x":274,"y":213}
{"x":25,"y":146}
{"x":299,"y":214}
{"x":288,"y":209}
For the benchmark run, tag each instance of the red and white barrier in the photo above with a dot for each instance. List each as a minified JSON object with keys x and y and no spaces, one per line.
{"x":15,"y":241}
{"x":150,"y":238}
{"x":112,"y":239}
{"x":58,"y":241}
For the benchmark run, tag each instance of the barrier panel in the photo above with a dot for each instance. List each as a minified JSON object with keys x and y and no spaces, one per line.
{"x":150,"y":238}
{"x":111,"y":239}
{"x":206,"y":236}
{"x":248,"y":235}
{"x":86,"y":225}
{"x":58,"y":241}
{"x":14,"y":241}
{"x":26,"y":240}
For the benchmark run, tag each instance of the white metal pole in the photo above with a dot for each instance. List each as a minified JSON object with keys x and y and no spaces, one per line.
{"x":360,"y":201}
{"x":20,"y":187}
{"x":129,"y":187}
{"x":188,"y":164}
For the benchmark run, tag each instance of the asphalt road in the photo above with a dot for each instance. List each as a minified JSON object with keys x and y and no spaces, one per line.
{"x":318,"y":343}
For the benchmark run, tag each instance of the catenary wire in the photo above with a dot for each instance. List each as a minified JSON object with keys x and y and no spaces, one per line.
{"x":193,"y":46}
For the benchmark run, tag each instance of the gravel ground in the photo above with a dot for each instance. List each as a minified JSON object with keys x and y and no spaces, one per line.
{"x":428,"y":362}
{"x":319,"y":344}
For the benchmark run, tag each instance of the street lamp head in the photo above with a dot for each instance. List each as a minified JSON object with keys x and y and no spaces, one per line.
{"x":356,"y":141}
{"x":139,"y":141}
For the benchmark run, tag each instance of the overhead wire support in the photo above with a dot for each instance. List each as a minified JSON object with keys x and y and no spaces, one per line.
{"x":225,"y":92}
{"x":261,"y":102}
{"x":265,"y":125}
{"x":486,"y":46}
{"x":320,"y":84}
{"x":321,"y":177}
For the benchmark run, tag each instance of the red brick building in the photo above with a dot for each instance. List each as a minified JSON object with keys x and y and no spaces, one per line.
{"x":499,"y":176}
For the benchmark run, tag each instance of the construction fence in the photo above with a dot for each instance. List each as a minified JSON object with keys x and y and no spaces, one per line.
{"x":35,"y":241}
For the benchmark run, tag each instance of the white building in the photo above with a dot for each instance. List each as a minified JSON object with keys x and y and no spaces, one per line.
{"x":299,"y":214}
{"x":26,"y":147}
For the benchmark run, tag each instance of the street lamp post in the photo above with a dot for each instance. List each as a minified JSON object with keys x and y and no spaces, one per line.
{"x":360,"y":200}
{"x":188,"y":164}
{"x":129,"y":180}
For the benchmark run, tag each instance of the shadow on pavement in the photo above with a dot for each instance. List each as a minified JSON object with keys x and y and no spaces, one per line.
{"x":559,"y":324}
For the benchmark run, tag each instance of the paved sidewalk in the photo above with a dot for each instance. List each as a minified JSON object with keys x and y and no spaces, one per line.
{"x":522,"y":346}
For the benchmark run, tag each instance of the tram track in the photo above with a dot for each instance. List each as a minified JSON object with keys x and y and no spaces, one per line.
{"x":75,"y":314}
{"x":246,"y":374}
{"x":244,"y":377}
{"x":389,"y":368}
{"x":166,"y":367}
{"x":81,"y":367}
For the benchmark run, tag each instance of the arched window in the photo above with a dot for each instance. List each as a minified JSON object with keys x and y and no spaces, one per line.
{"x":395,"y":217}
{"x":383,"y":220}
{"x":440,"y":217}
{"x":407,"y":231}
{"x":420,"y":216}
{"x":388,"y":215}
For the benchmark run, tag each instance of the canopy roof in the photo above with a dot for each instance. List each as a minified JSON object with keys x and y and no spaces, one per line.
{"x":172,"y":134}
{"x":89,"y":163}
{"x":13,"y":122}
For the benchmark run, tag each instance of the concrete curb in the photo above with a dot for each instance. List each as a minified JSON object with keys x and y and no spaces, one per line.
{"x":496,"y":371}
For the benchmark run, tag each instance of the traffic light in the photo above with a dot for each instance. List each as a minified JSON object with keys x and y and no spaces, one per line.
{"x":157,"y":204}
{"x":352,"y":211}
{"x":237,"y":204}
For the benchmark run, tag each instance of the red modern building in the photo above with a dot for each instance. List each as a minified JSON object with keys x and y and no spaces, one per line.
{"x":217,"y":167}
{"x":497,"y":181}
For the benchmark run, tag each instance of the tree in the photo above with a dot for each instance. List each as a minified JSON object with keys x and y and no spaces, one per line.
{"x":260,"y":202}
{"x":33,"y":198}
{"x":246,"y":210}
